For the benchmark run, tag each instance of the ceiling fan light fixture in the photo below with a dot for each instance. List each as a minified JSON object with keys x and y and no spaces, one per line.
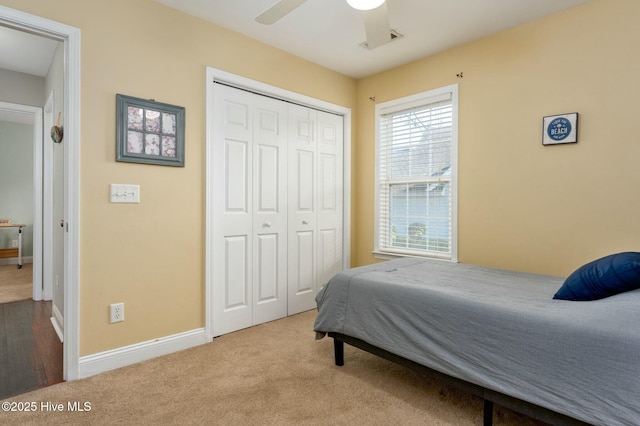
{"x":365,"y":4}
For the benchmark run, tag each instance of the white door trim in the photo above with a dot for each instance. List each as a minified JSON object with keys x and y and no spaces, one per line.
{"x":221,"y":76}
{"x":47,"y":204}
{"x":70,"y":36}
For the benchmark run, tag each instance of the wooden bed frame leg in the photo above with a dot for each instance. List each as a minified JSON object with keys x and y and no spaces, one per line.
{"x":338,"y":350}
{"x":488,"y":413}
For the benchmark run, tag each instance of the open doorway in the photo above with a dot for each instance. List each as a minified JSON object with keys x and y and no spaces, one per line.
{"x":66,"y":102}
{"x":29,"y":192}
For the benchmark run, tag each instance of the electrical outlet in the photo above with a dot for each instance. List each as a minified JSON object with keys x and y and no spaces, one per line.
{"x":116,"y":311}
{"x":14,"y":243}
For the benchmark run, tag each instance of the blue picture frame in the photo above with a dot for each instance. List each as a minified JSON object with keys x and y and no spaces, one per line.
{"x":149,"y":132}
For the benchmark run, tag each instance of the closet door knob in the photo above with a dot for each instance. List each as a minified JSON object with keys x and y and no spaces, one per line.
{"x":304,"y":222}
{"x":267,"y":225}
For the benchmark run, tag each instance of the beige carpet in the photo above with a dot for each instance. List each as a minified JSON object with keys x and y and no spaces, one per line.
{"x":16,"y":284}
{"x":272,"y":374}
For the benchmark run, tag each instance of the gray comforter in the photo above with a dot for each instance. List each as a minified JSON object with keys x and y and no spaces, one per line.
{"x":498,"y":329}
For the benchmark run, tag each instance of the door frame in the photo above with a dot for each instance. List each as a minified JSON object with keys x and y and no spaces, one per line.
{"x":70,"y":37}
{"x":47,"y":204}
{"x":220,"y":76}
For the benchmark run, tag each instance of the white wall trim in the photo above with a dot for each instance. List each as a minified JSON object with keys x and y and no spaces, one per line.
{"x":120,"y":357}
{"x":213,"y":74}
{"x":58,"y":322}
{"x":47,"y":204}
{"x":70,"y":36}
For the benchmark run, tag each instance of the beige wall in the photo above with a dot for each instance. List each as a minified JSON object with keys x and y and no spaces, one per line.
{"x":523,"y":206}
{"x":151,"y":255}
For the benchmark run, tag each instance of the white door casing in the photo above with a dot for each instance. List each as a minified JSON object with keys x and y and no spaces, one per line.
{"x":47,"y":203}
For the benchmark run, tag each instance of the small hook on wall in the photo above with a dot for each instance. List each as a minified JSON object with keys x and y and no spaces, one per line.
{"x":459,"y":75}
{"x":372,"y":98}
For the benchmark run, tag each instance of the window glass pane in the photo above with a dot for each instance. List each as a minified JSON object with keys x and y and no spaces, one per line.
{"x":420,"y":216}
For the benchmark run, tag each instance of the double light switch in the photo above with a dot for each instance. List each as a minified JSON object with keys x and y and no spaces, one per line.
{"x":120,"y":193}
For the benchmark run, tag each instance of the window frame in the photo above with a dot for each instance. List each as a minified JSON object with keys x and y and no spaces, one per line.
{"x":397,"y":105}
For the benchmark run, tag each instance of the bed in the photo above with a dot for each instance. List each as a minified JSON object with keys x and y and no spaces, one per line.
{"x":500,"y":334}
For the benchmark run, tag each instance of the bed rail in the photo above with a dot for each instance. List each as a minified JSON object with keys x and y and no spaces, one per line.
{"x":488,"y":396}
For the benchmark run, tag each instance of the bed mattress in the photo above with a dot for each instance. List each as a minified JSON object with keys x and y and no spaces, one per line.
{"x":498,"y":329}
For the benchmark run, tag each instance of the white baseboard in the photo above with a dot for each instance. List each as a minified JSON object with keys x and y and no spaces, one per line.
{"x":58,"y":322}
{"x":109,"y":360}
{"x":14,"y":260}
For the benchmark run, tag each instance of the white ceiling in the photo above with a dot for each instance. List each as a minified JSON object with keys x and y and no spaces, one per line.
{"x":328,"y":32}
{"x":26,"y":53}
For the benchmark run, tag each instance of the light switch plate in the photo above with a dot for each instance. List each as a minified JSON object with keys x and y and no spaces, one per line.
{"x":124,"y":193}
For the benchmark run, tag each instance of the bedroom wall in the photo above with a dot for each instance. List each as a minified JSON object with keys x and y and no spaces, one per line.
{"x":151,"y":255}
{"x":524,"y":206}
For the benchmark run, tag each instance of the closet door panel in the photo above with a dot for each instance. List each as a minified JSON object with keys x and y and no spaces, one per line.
{"x":328,"y":263}
{"x":270,"y":215}
{"x":236,"y":283}
{"x":231,"y":216}
{"x":330,"y":195}
{"x":302,"y":208}
{"x":305,"y":185}
{"x":236,"y":177}
{"x":267,"y":270}
{"x":305,"y":255}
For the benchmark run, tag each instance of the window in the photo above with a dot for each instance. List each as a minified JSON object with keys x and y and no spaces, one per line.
{"x":416,"y":153}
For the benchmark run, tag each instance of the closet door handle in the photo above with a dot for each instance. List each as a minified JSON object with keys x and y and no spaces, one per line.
{"x":267,"y":224}
{"x":304,"y":222}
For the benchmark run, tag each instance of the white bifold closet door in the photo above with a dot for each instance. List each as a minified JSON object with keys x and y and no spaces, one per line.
{"x":249,"y":210}
{"x":276,"y":207}
{"x":315,"y":203}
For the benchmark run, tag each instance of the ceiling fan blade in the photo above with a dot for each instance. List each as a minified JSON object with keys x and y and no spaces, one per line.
{"x":376,"y":26}
{"x":278,"y":11}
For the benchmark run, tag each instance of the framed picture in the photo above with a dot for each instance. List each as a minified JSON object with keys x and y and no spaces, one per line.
{"x":149,"y":132}
{"x":559,"y":129}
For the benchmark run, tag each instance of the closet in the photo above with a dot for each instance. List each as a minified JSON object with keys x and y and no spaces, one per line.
{"x":276,"y":210}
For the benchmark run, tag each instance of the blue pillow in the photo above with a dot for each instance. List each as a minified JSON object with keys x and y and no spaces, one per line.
{"x":602,"y":278}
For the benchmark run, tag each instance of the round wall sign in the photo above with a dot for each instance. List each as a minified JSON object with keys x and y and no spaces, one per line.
{"x":559,"y":129}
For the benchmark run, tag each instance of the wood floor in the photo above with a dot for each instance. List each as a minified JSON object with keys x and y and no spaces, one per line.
{"x":30,"y":351}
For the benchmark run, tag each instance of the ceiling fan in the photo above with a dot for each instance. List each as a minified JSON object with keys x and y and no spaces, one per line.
{"x":375,"y":15}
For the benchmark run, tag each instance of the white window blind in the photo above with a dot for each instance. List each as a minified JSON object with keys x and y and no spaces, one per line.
{"x":415,"y":208}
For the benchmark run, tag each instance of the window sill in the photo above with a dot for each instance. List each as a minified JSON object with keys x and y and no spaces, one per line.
{"x":397,"y":255}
